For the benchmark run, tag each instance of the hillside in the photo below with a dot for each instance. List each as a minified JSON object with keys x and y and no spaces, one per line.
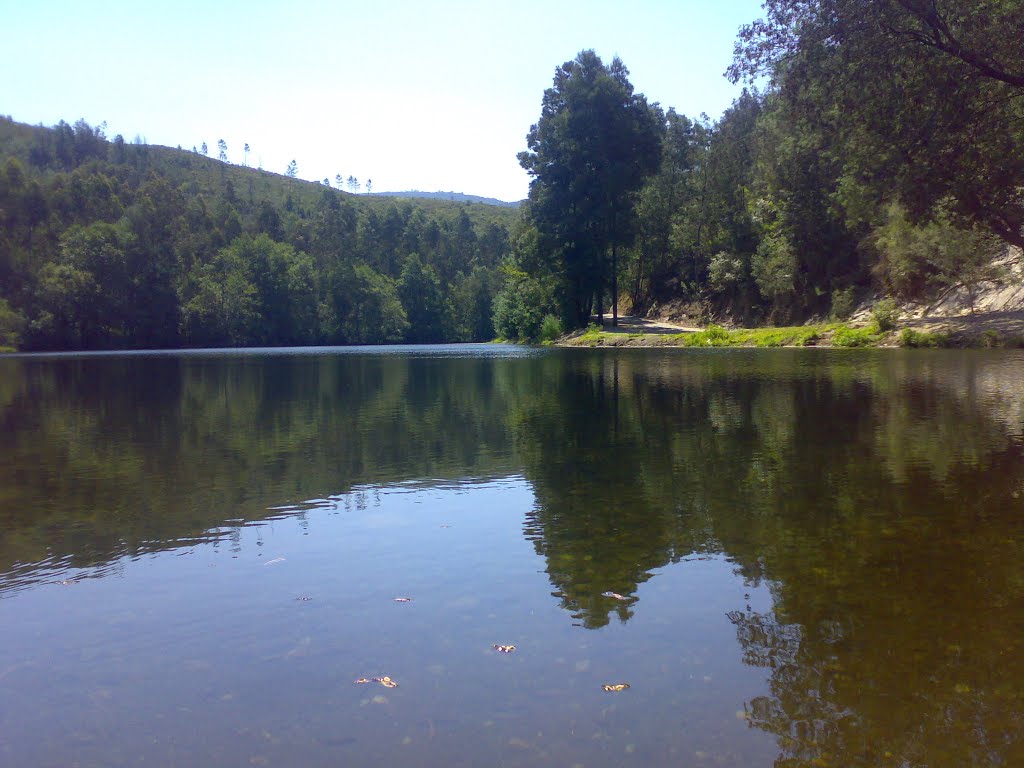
{"x":108,"y":244}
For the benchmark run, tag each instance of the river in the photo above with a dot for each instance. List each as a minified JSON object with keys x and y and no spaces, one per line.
{"x":702,"y":558}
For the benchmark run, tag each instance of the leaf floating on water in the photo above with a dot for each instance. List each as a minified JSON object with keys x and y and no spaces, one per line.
{"x":386,"y":681}
{"x":402,"y":599}
{"x":615,"y":687}
{"x":614,"y":595}
{"x":504,"y":648}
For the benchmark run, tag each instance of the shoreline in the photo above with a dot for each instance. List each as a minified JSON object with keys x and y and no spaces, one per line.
{"x":975,"y":332}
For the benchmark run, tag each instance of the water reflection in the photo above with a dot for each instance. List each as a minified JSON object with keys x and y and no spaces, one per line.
{"x":106,"y":456}
{"x":875,"y":501}
{"x":880,"y":500}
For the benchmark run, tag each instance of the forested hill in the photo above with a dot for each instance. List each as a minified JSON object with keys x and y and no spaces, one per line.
{"x":107,"y":244}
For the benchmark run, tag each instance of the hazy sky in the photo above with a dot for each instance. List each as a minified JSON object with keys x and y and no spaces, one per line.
{"x":414,"y":95}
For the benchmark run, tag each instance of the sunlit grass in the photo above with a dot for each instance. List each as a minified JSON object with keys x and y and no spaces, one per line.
{"x":825,"y":334}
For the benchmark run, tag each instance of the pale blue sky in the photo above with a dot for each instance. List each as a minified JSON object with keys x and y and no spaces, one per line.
{"x":415,"y":95}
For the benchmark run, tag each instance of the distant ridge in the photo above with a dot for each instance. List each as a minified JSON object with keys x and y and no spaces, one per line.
{"x":457,"y":197}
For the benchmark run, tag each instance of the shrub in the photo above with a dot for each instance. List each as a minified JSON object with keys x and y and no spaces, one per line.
{"x":919,"y":339}
{"x":886,"y":313}
{"x":990,"y":339}
{"x":550,"y":328}
{"x":842,"y":303}
{"x":517,"y":313}
{"x":11,"y":325}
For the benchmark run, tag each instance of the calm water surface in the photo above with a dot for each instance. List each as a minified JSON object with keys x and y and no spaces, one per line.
{"x":793,"y":558}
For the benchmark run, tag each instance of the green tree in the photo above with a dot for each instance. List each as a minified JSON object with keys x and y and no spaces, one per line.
{"x":376,"y":315}
{"x":472,"y":299}
{"x":521,"y":305}
{"x":222,"y":150}
{"x":589,"y":154}
{"x":223,"y":309}
{"x":424,"y":302}
{"x":292,"y":171}
{"x":657,"y":206}
{"x":83,"y":300}
{"x":923,"y":99}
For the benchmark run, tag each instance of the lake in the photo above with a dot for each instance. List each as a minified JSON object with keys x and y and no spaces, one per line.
{"x":791,"y":558}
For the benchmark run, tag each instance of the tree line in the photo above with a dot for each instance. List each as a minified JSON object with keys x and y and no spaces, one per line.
{"x":110,"y":244}
{"x":885,"y":155}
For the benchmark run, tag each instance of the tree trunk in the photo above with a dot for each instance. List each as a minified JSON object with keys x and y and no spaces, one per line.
{"x":615,"y":286}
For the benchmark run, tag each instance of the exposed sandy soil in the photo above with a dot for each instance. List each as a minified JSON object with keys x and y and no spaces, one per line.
{"x":998,"y":306}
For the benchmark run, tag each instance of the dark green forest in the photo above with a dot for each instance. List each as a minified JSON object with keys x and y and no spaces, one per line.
{"x":877,"y":151}
{"x":108,"y":244}
{"x":881,"y":153}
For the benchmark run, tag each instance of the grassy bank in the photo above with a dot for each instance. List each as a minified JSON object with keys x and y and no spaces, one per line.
{"x":842,"y":335}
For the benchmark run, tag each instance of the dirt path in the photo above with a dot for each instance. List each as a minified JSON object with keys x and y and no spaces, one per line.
{"x":631,"y":324}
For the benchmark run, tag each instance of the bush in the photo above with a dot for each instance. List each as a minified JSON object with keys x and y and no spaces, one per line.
{"x":886,"y":313}
{"x":518,"y":310}
{"x":12,"y":323}
{"x":918,"y":339}
{"x":550,"y":328}
{"x":842,"y":303}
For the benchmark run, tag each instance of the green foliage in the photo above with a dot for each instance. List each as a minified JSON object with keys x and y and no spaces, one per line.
{"x":774,"y":268}
{"x":801,"y":336}
{"x":886,"y":313}
{"x":589,"y":154}
{"x":472,"y":305}
{"x":990,"y":339}
{"x":715,"y":336}
{"x":12,"y":323}
{"x":843,"y":303}
{"x":950,"y":133}
{"x":550,"y":328}
{"x":419,"y":290}
{"x":920,"y":339}
{"x":726,"y":273}
{"x":520,"y":307}
{"x":904,"y":251}
{"x":848,"y":336}
{"x":377,"y":316}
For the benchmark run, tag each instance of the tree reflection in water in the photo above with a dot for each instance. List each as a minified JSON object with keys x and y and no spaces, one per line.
{"x":880,"y":499}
